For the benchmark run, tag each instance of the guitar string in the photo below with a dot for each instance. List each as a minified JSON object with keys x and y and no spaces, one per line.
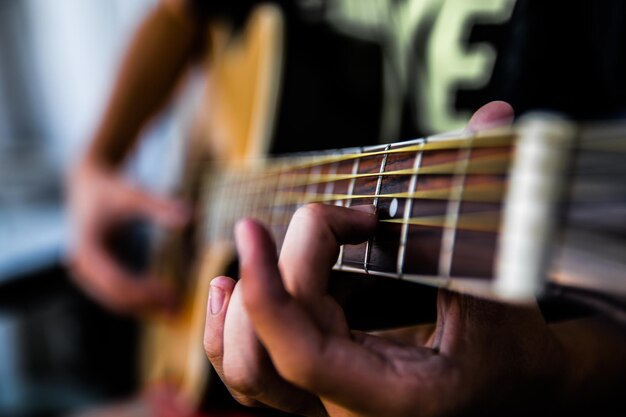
{"x":486,"y":165}
{"x":495,"y":138}
{"x":490,"y":139}
{"x":484,"y":141}
{"x":486,"y":221}
{"x":485,"y":193}
{"x":489,"y":165}
{"x":480,"y":221}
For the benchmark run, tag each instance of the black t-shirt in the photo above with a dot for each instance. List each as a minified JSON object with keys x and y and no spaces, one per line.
{"x":369,"y":71}
{"x":360,"y":72}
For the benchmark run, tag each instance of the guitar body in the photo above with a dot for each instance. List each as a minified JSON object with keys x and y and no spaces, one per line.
{"x":233,"y":126}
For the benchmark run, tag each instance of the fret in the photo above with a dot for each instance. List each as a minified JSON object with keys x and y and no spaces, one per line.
{"x":276,"y":214}
{"x":355,"y":170}
{"x":311,"y":188}
{"x":244,"y":197}
{"x":300,"y":191}
{"x":368,"y":249}
{"x":259,"y":200}
{"x":328,"y":190}
{"x":408,"y":209}
{"x":330,"y":185}
{"x":211,"y":200}
{"x":229,"y":215}
{"x":452,"y":213}
{"x":219,"y":198}
{"x":286,"y":210}
{"x":235,"y":190}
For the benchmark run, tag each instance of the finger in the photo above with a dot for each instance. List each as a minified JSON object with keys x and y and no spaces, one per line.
{"x":493,"y":114}
{"x":333,"y":367}
{"x":116,"y":288}
{"x":220,"y":292}
{"x":166,"y":212}
{"x":325,"y":228}
{"x":247,"y":371}
{"x":242,"y":360}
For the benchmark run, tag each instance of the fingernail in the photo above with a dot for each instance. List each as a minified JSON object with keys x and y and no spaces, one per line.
{"x":366,"y":208}
{"x":216,"y":299}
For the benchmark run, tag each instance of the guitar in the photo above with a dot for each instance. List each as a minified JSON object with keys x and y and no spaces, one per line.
{"x":507,"y":214}
{"x":510,"y":213}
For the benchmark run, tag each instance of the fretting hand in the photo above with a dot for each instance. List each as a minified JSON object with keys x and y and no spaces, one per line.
{"x":277,"y":338}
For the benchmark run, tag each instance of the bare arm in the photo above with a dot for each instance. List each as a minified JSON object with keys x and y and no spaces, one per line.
{"x":100,"y":199}
{"x":156,"y":58}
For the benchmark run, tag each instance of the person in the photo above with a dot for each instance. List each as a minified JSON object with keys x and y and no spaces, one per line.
{"x":357,"y":73}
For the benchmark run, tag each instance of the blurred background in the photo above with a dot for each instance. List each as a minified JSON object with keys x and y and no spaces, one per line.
{"x":58,"y":351}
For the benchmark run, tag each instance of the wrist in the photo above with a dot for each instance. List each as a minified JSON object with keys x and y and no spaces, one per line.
{"x":595,"y":365}
{"x":96,"y":160}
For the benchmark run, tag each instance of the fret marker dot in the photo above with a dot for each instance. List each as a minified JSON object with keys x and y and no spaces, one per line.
{"x":393,"y":208}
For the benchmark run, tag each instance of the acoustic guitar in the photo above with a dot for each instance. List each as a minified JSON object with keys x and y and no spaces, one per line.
{"x":510,"y":213}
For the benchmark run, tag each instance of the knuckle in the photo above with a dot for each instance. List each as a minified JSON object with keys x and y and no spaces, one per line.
{"x":210,"y":348}
{"x":303,"y":372}
{"x":244,"y":400}
{"x":247,"y":382}
{"x":311,"y":211}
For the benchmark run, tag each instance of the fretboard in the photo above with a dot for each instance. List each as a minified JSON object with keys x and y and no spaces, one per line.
{"x":499,"y":213}
{"x":505,"y":213}
{"x":438,"y":200}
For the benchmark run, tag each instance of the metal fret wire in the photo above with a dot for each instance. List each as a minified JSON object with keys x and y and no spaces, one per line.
{"x":452,"y":214}
{"x":408,"y":209}
{"x":383,"y":164}
{"x":355,"y":170}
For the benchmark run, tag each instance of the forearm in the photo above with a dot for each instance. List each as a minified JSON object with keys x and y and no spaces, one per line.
{"x":153,"y":64}
{"x":596,"y":356}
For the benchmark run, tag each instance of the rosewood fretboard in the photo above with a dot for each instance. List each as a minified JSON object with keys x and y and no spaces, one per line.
{"x":438,"y":200}
{"x":499,"y":213}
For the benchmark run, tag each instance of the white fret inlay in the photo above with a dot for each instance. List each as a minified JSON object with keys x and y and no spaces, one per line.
{"x":393,"y":208}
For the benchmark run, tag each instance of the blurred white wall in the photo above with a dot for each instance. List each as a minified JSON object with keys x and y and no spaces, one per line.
{"x":58,"y":59}
{"x":76,"y":46}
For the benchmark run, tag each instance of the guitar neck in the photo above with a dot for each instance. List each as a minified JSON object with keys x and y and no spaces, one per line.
{"x":478,"y":212}
{"x":438,"y":199}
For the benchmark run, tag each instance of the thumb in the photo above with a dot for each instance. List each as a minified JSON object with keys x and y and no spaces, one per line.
{"x":492,"y":114}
